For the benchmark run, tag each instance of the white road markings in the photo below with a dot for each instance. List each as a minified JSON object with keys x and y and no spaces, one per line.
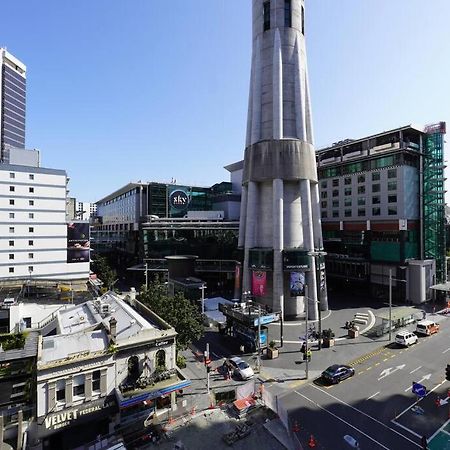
{"x":426,"y":377}
{"x":364,"y":414}
{"x":406,"y":428}
{"x":342,"y":420}
{"x":445,"y":351}
{"x":373,"y":395}
{"x":415,"y":370}
{"x":386,"y":372}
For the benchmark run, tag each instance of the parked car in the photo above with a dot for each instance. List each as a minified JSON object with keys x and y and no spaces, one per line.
{"x":240,"y":368}
{"x":427,"y":327}
{"x":336,"y":373}
{"x":406,"y":338}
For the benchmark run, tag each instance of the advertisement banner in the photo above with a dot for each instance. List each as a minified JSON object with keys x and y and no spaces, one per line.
{"x":78,"y":246}
{"x":259,"y":282}
{"x":179,"y":200}
{"x":297,"y":284}
{"x":237,"y":278}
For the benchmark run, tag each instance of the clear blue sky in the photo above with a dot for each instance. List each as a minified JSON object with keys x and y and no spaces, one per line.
{"x":122,"y":90}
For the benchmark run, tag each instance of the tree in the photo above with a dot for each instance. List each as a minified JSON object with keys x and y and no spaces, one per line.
{"x":104,"y":271}
{"x":177,"y":311}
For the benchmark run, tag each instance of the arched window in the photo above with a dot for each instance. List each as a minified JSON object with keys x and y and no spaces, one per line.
{"x":133,"y":367}
{"x":161,"y":359}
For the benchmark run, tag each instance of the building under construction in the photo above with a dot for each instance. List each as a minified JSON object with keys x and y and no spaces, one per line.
{"x":382,"y":211}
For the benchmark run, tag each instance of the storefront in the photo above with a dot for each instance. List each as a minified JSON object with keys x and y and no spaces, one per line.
{"x":66,"y":429}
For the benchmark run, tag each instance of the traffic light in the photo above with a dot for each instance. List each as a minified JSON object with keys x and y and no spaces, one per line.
{"x":208,"y":368}
{"x":447,"y":372}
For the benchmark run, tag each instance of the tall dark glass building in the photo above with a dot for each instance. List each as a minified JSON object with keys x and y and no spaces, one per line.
{"x":12,"y":101}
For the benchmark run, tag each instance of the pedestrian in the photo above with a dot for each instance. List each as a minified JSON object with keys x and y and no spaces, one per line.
{"x":303,"y":348}
{"x":242,"y":348}
{"x":424,"y":315}
{"x":309,"y":354}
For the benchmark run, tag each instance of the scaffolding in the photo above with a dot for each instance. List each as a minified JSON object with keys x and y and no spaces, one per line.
{"x":433,"y":198}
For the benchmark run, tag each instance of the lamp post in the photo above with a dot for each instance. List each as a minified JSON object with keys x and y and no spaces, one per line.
{"x":318,"y":255}
{"x":146,"y":275}
{"x":390,"y":305}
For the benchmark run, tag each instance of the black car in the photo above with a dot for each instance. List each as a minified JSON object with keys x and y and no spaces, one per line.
{"x":336,"y":373}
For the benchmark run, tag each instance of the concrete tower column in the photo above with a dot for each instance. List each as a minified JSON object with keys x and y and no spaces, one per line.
{"x":278,"y":244}
{"x":250,"y":232}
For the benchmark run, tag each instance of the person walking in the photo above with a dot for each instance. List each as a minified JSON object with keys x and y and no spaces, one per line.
{"x":309,"y":354}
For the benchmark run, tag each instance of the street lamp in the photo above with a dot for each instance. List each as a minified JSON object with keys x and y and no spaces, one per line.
{"x":318,"y":255}
{"x":202,"y":288}
{"x":306,"y":331}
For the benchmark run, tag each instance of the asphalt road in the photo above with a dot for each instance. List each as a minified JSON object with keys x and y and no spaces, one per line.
{"x":374,"y":405}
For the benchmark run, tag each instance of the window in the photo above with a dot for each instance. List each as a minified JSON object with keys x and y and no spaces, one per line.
{"x":392,"y":211}
{"x":335,"y":203}
{"x":30,"y":269}
{"x":375,"y":188}
{"x":392,"y":186}
{"x":30,"y":243}
{"x":336,"y":182}
{"x":61,"y":390}
{"x":361,"y":189}
{"x":361,"y":178}
{"x":31,"y":202}
{"x":348,"y":213}
{"x":323,"y":194}
{"x":348,"y":191}
{"x":96,"y":380}
{"x":323,"y":204}
{"x":11,"y":256}
{"x":335,"y":193}
{"x":31,"y":190}
{"x":11,"y":201}
{"x":375,"y":200}
{"x":11,"y":215}
{"x":347,"y":181}
{"x":31,"y":229}
{"x":78,"y":385}
{"x":11,"y":270}
{"x":11,"y":243}
{"x":361,"y":212}
{"x":375,"y":211}
{"x":266,"y":14}
{"x":324,"y":215}
{"x":348,"y":202}
{"x":12,"y":175}
{"x":27,"y":321}
{"x":392,"y":199}
{"x":324,"y":184}
{"x":12,"y":188}
{"x":11,"y":229}
{"x":287,"y":13}
{"x":30,"y":255}
{"x":31,"y":215}
{"x":361,"y":201}
{"x":376,"y":176}
{"x":392,"y":173}
{"x":31,"y":176}
{"x":335,"y":213}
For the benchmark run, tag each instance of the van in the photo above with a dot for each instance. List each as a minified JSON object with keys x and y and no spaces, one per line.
{"x":406,"y":338}
{"x":427,"y":327}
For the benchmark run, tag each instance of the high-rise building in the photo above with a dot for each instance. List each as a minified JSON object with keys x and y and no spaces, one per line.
{"x":12,"y":101}
{"x":280,"y":227}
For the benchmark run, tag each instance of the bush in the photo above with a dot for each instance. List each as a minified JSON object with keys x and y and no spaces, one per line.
{"x":328,"y":334}
{"x":181,"y":361}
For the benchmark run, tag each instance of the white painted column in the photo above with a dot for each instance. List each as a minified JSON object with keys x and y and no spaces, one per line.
{"x":277,"y":88}
{"x":278,"y":245}
{"x":299,"y":95}
{"x":256,"y":94}
{"x":243,"y":216}
{"x":250,"y":232}
{"x":317,"y":222}
{"x":308,"y":239}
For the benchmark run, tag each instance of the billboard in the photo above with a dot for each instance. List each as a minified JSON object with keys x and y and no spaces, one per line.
{"x":237,"y":277}
{"x":297,"y":284}
{"x":179,"y":200}
{"x":259,"y":282}
{"x":78,"y":246}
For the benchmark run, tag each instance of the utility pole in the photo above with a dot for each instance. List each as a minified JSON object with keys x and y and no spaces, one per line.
{"x":259,"y":339}
{"x":390,"y":305}
{"x":306,"y":333}
{"x":207,"y":365}
{"x":202,"y":288}
{"x":146,"y":275}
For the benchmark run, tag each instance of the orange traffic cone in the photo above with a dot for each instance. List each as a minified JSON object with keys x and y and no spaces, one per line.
{"x":295,"y":428}
{"x":192,"y":410}
{"x":312,"y":442}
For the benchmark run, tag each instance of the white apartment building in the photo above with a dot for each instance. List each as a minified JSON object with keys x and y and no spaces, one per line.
{"x":85,"y":210}
{"x":33,"y":229}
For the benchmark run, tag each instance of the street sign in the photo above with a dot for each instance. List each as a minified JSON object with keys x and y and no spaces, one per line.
{"x":419,"y":389}
{"x":266,"y":319}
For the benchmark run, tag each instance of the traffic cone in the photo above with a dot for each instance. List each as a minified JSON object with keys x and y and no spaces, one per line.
{"x":295,"y":428}
{"x":438,"y":401}
{"x":312,"y":442}
{"x":192,"y":410}
{"x":171,"y":420}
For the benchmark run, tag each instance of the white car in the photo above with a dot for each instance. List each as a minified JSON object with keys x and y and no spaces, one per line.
{"x":240,"y":368}
{"x":406,"y":338}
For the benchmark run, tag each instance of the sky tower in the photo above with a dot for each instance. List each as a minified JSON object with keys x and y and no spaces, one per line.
{"x":280,"y":213}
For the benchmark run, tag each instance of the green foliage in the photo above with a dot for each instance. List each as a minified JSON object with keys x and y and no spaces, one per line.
{"x":177,"y":311}
{"x":328,"y":334}
{"x":181,"y":361}
{"x":12,"y":341}
{"x":112,"y":348}
{"x":272,"y":344}
{"x":101,"y":267}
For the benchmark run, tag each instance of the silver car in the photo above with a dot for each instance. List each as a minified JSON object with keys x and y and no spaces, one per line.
{"x":240,"y":368}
